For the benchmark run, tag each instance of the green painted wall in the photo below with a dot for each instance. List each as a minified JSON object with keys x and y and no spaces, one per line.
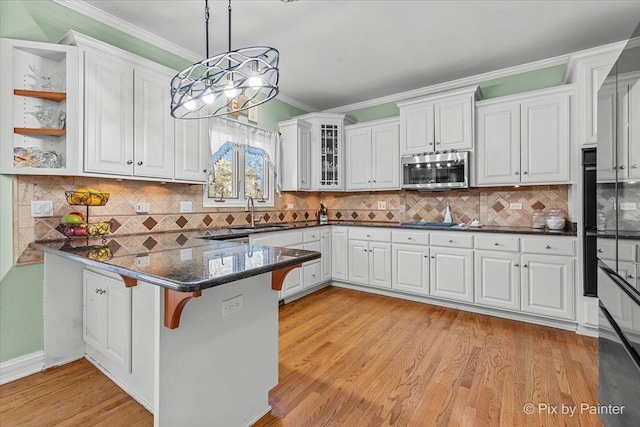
{"x":517,"y":83}
{"x":21,"y":288}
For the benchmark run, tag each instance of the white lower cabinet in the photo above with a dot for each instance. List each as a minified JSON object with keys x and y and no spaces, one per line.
{"x":497,"y":279}
{"x":325,"y":249}
{"x":410,"y":268}
{"x":370,"y":263}
{"x":452,"y":273}
{"x":107,"y":317}
{"x":293,"y":283}
{"x":548,"y":285}
{"x":340,"y":253}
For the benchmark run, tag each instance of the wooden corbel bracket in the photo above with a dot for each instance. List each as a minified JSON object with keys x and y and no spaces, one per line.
{"x":174,"y":303}
{"x":278,"y":276}
{"x":129,"y":282}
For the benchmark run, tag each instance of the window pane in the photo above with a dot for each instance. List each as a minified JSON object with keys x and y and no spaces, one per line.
{"x":222,"y":186}
{"x":255,"y":179}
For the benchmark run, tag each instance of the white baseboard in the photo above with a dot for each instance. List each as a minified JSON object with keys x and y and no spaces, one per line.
{"x":590,"y":331}
{"x":21,"y":367}
{"x":257,"y":417}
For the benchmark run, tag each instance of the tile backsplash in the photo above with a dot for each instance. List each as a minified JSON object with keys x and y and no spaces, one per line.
{"x":489,"y":205}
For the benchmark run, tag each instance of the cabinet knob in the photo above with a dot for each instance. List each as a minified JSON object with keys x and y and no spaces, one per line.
{"x":129,"y":162}
{"x":140,"y":163}
{"x":433,"y":256}
{"x":515,"y":264}
{"x":368,"y":235}
{"x":313,"y":275}
{"x":369,"y":181}
{"x":622,"y":167}
{"x":631,"y":276}
{"x":426,"y":256}
{"x":516,"y":173}
{"x":524,"y":173}
{"x":450,"y":240}
{"x":600,"y":251}
{"x":547,"y":247}
{"x":204,"y":171}
{"x":409,"y":238}
{"x":496,"y":244}
{"x":525,"y":265}
{"x":100,"y":291}
{"x":437,"y":143}
{"x":431,"y":143}
{"x":634,"y":166}
{"x":365,"y":250}
{"x":375,"y":180}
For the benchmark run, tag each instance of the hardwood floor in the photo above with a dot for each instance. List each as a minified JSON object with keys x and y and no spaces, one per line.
{"x":349,"y":358}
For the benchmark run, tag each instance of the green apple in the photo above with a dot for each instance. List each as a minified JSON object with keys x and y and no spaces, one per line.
{"x":71,"y":219}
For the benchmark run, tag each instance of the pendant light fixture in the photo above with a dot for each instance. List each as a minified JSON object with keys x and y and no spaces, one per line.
{"x":225,"y":83}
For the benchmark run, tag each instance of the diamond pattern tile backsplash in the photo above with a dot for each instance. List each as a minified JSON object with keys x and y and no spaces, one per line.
{"x":489,"y":205}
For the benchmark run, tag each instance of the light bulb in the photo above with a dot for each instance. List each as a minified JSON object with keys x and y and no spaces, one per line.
{"x":208,"y":97}
{"x":190,"y":105}
{"x":230,"y":90}
{"x":255,"y":82}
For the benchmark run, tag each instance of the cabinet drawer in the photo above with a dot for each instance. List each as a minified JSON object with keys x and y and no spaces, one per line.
{"x":451,"y":240}
{"x":498,"y":242}
{"x":626,"y":250}
{"x":549,"y":246}
{"x":311,"y":235}
{"x":370,"y":234}
{"x":311,"y":274}
{"x":410,"y":237}
{"x":284,"y":239}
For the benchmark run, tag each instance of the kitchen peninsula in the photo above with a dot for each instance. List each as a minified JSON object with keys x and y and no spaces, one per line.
{"x":187,"y":326}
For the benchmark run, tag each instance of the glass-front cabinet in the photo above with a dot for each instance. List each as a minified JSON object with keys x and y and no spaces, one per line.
{"x":39,"y":94}
{"x":330,"y":156}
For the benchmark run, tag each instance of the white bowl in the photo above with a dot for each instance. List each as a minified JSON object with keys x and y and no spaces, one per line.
{"x":555,"y":223}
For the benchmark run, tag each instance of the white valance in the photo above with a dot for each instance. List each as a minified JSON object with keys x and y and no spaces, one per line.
{"x":240,"y":135}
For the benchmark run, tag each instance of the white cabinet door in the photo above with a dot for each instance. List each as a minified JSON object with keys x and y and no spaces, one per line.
{"x":154,"y":127}
{"x":410,"y":268}
{"x":108,"y":120}
{"x":416,"y":129}
{"x":545,"y":139}
{"x":191,"y":150}
{"x":107,"y":317}
{"x":340,"y":253}
{"x":359,"y":262}
{"x":453,"y":124}
{"x":497,"y":279}
{"x":452,"y":273}
{"x":325,"y":249}
{"x":380,"y":264}
{"x":618,"y":304}
{"x":607,"y":125}
{"x":498,"y":145}
{"x":293,"y":283}
{"x":304,"y":158}
{"x":311,"y":274}
{"x":548,"y":285}
{"x":358,"y":147}
{"x":633,"y":154}
{"x":385,"y":161}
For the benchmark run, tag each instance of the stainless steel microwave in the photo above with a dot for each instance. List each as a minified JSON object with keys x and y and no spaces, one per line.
{"x":435,"y":171}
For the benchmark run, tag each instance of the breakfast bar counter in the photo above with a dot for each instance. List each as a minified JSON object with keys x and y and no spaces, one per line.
{"x":187,"y":326}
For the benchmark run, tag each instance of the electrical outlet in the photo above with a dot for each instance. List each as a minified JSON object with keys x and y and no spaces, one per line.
{"x":143,"y":261}
{"x":515,"y":206}
{"x":142,"y":207}
{"x":186,"y":207}
{"x":41,"y":208}
{"x":382,"y":205}
{"x":627,"y":206}
{"x":186,"y":254}
{"x":290,"y":206}
{"x":231,"y":305}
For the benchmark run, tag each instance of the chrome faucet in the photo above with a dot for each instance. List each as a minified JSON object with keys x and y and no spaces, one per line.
{"x":251,"y":207}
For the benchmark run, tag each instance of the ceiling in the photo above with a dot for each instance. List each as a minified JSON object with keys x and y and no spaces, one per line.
{"x":337,"y":53}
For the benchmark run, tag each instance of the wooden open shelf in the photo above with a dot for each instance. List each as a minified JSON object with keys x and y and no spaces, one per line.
{"x":51,"y":96}
{"x":40,"y":131}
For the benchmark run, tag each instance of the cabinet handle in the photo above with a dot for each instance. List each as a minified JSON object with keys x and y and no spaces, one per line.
{"x":525,"y":265}
{"x":496,"y":244}
{"x":600,"y":251}
{"x":622,"y":167}
{"x":140,"y":163}
{"x":129,"y":162}
{"x":516,"y":173}
{"x":100,"y":291}
{"x":547,"y":247}
{"x":515,"y":264}
{"x":524,"y":173}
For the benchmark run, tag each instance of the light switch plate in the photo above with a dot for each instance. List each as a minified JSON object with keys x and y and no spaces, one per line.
{"x":41,"y":208}
{"x":143,"y":261}
{"x":186,"y":207}
{"x":186,"y":254}
{"x":142,"y":207}
{"x":382,"y":205}
{"x":515,"y":206}
{"x":290,"y":206}
{"x":628,"y":206}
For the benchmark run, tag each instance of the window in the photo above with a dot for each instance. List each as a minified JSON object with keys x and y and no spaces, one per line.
{"x":241,"y":165}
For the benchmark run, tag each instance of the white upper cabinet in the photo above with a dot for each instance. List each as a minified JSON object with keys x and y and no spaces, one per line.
{"x":296,"y":155}
{"x":607,"y":127}
{"x":192,"y":150}
{"x":373,"y":155}
{"x":40,"y":123}
{"x":442,"y":122}
{"x":524,"y":138}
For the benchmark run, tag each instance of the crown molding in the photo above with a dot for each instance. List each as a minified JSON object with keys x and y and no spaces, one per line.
{"x":454,"y":84}
{"x":137,"y":32}
{"x":594,"y":52}
{"x":296,"y":103}
{"x":519,"y":97}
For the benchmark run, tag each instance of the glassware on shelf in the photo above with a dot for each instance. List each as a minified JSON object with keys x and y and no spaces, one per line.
{"x":602,"y":221}
{"x":47,"y":116}
{"x":33,"y":157}
{"x":46,"y":83}
{"x":555,"y":219}
{"x":538,"y":219}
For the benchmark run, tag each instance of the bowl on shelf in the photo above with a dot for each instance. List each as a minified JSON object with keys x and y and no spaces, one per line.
{"x":83,"y":229}
{"x":87,"y":198}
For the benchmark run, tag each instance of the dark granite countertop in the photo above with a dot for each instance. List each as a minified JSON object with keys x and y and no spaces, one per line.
{"x":181,"y":261}
{"x":611,"y":234}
